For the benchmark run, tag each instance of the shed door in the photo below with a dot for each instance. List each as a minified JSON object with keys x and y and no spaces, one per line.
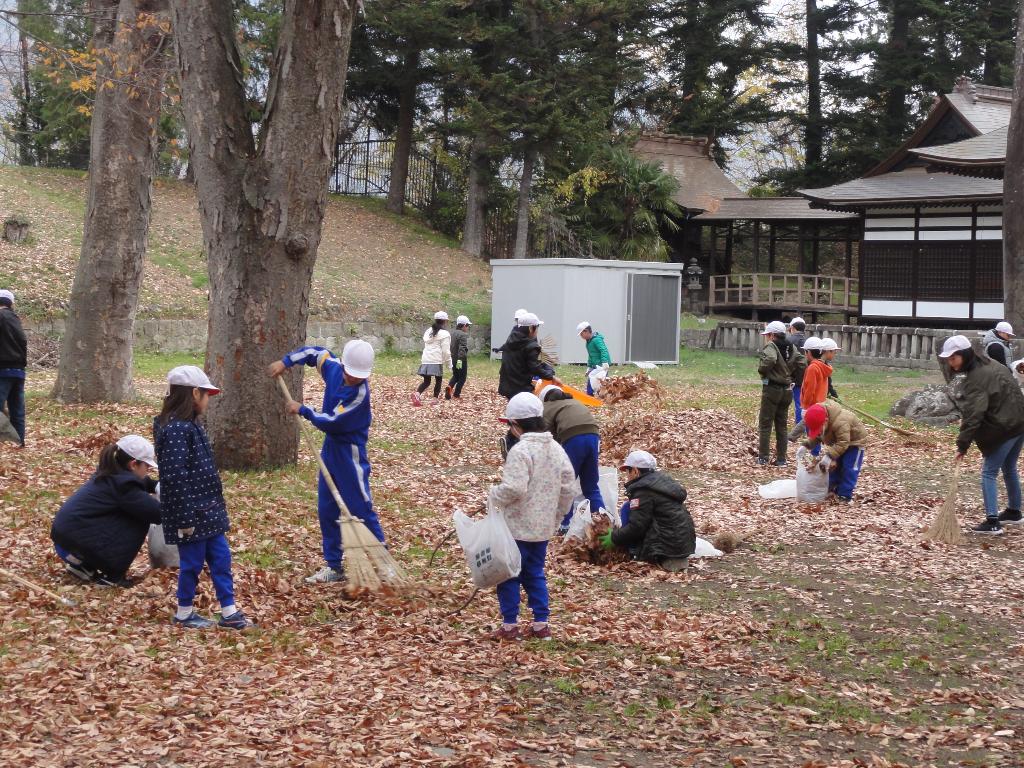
{"x":652,"y":318}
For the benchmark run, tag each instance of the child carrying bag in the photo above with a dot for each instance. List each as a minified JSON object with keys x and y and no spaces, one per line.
{"x":491,"y":552}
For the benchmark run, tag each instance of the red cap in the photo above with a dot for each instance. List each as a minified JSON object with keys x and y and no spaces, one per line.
{"x":814,"y":419}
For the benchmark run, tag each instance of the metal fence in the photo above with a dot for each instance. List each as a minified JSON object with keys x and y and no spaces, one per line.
{"x":364,"y":168}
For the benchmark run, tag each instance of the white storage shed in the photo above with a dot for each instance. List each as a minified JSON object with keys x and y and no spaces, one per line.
{"x":633,"y":304}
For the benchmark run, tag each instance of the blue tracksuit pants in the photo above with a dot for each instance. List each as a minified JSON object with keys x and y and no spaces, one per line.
{"x":213,"y":552}
{"x":798,"y":412}
{"x":532,"y":579}
{"x":584,"y":451}
{"x":843,"y":477}
{"x":350,"y":469}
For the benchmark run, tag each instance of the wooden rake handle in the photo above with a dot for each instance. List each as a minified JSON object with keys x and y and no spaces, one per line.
{"x":33,"y":587}
{"x":319,"y":459}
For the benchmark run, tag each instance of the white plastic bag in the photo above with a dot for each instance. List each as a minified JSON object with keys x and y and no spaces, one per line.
{"x":161,"y":554}
{"x":811,"y":482}
{"x":596,"y":378}
{"x":608,"y":482}
{"x":778,"y":489}
{"x":491,"y":552}
{"x":580,"y":521}
{"x":706,"y":549}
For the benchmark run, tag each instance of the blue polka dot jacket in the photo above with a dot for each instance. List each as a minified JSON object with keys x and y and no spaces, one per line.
{"x":191,"y":495}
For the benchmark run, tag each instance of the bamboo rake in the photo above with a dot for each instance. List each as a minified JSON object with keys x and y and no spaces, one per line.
{"x":886,"y":424}
{"x":36,"y":588}
{"x":946,"y":526}
{"x":368,"y":564}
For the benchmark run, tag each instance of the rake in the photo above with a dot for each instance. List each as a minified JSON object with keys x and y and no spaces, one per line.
{"x":915,"y":436}
{"x":33,"y":587}
{"x":549,"y":350}
{"x":946,"y":526}
{"x":368,"y":564}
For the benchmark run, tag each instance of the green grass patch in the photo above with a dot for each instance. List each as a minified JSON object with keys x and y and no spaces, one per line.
{"x":155,"y":365}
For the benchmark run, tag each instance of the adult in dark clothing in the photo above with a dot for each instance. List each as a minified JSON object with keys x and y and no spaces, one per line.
{"x":996,"y":343}
{"x":520,"y":364}
{"x":992,"y":408}
{"x":460,"y":358}
{"x":780,"y":362}
{"x":797,"y":336}
{"x":100,"y":529}
{"x":656,"y":525}
{"x":573,"y":425}
{"x":13,"y":359}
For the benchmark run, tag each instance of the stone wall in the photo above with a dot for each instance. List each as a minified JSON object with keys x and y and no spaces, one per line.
{"x":190,"y":335}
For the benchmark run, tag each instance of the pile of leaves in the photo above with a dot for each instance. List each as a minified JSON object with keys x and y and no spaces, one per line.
{"x":589,"y":549}
{"x":43,"y":350}
{"x":615,"y":389}
{"x":691,"y":438}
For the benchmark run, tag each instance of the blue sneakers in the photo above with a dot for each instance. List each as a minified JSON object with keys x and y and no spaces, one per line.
{"x":236,"y":620}
{"x":194,"y":621}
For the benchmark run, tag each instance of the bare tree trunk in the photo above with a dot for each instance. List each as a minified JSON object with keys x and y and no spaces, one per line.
{"x":476,"y":198}
{"x":813,"y":138}
{"x":24,"y":152}
{"x":523,"y":209}
{"x":262,"y":208}
{"x":96,"y":352}
{"x":1013,"y":193}
{"x":403,"y":137}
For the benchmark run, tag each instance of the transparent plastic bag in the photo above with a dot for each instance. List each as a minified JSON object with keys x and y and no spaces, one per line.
{"x":811,"y":482}
{"x":580,"y":521}
{"x":705,"y":548}
{"x":491,"y":552}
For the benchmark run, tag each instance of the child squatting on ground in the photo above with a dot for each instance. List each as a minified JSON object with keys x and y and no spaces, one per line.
{"x":843,"y":436}
{"x":656,"y":526}
{"x":537,"y":485}
{"x":193,"y":511}
{"x":345,"y":421}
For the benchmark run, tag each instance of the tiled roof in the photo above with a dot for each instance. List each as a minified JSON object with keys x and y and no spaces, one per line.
{"x":913,"y":185}
{"x":771,"y":209}
{"x":986,"y":149}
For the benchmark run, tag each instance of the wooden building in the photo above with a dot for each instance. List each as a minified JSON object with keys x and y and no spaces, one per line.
{"x":931,"y":251}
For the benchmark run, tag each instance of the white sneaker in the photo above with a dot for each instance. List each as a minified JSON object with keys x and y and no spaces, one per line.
{"x":326,"y":575}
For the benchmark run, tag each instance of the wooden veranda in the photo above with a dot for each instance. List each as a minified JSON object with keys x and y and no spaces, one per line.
{"x":805,"y":294}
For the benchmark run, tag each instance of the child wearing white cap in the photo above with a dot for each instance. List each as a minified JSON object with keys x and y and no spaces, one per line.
{"x":778,"y":366}
{"x":598,"y":358}
{"x":345,"y":420}
{"x":194,"y":514}
{"x":437,"y":355}
{"x":656,"y":526}
{"x":997,"y":343}
{"x":460,"y":358}
{"x":102,"y":526}
{"x":537,"y":486}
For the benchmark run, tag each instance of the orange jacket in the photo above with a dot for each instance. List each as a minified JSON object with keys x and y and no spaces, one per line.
{"x":814,"y":389}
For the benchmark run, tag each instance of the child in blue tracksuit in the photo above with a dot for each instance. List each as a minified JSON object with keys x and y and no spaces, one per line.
{"x":345,"y":420}
{"x":193,"y":513}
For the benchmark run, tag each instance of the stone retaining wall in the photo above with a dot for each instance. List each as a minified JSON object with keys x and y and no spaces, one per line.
{"x":190,"y":335}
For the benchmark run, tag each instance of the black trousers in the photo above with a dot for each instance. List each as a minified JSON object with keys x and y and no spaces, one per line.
{"x":426,"y":383}
{"x":458,"y":379}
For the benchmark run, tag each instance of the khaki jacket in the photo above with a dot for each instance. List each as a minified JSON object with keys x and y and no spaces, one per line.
{"x":842,"y":430}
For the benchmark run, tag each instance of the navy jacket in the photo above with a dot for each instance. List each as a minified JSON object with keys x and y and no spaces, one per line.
{"x":105,"y":522}
{"x":190,"y":489}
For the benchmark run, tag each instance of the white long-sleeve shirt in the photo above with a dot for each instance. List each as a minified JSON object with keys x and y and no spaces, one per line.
{"x":537,"y":486}
{"x":437,"y":349}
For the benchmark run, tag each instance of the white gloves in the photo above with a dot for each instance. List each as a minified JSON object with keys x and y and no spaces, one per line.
{"x":604,"y":366}
{"x":825,"y":462}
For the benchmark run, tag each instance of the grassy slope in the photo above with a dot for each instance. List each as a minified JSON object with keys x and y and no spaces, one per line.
{"x":371,"y":265}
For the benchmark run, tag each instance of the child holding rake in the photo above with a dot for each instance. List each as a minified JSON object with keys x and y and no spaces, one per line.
{"x":345,"y":421}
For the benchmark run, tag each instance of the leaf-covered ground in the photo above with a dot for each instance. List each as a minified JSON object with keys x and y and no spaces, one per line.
{"x":830,"y":637}
{"x":371,"y":265}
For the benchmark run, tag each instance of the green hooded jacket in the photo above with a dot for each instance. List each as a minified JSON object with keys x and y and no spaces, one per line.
{"x":597,"y":351}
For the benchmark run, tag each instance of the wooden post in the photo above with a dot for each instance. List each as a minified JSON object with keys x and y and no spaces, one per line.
{"x":849,"y":250}
{"x":801,"y":247}
{"x":757,"y":244}
{"x":771,"y":247}
{"x":728,"y":245}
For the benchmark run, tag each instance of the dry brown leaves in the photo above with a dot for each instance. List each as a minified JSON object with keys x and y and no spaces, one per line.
{"x":615,"y":389}
{"x":589,"y":549}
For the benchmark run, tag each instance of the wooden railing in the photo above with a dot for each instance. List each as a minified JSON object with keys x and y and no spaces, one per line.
{"x":814,"y":293}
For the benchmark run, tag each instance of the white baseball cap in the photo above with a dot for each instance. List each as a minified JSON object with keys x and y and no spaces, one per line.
{"x":775,"y":326}
{"x":357,"y":358}
{"x":441,"y":315}
{"x":954,"y":344}
{"x":639,"y":460}
{"x":1005,"y":327}
{"x":582,"y":327}
{"x":139,"y":448}
{"x":829,"y":345}
{"x":812,"y":343}
{"x":796,"y":320}
{"x":5,"y":294}
{"x":191,"y":376}
{"x":529,"y":320}
{"x":548,"y":388}
{"x":462,"y":320}
{"x":525,"y":405}
{"x":519,"y":313}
